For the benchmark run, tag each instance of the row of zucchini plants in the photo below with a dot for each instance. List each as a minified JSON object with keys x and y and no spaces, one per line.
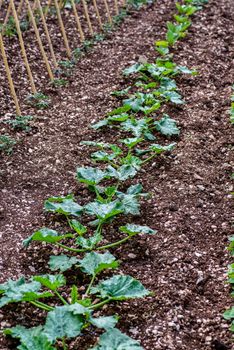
{"x":70,"y":303}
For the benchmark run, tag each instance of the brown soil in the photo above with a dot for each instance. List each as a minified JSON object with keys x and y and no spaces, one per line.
{"x":185,"y":263}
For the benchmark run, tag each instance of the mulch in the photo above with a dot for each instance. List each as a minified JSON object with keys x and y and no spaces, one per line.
{"x":185,"y":263}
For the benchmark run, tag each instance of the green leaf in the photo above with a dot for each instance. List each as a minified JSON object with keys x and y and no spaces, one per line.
{"x":133,"y":69}
{"x":123,"y":173}
{"x":131,"y":141}
{"x":186,"y":70}
{"x":62,"y":322}
{"x":90,"y":176}
{"x":173,"y":97}
{"x":63,"y":205}
{"x":120,"y":287}
{"x":118,"y":117}
{"x":115,"y":340}
{"x":229,"y":314}
{"x":74,"y":294}
{"x":120,"y":110}
{"x":20,"y":290}
{"x":100,"y":124}
{"x":120,"y":93}
{"x":91,"y":242}
{"x":129,"y":203}
{"x":94,"y":263}
{"x":105,"y":322}
{"x":104,"y":211}
{"x":52,"y":282}
{"x":160,"y":149}
{"x":132,"y":229}
{"x":31,"y":338}
{"x":162,"y":47}
{"x":167,"y":126}
{"x":78,"y":227}
{"x":45,"y":235}
{"x":62,"y":262}
{"x":136,"y":189}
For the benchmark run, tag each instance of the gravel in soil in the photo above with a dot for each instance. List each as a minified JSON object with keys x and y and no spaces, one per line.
{"x":185,"y":264}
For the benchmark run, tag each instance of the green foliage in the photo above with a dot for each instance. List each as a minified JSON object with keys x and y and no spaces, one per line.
{"x":63,"y":205}
{"x":94,"y":263}
{"x":63,"y":321}
{"x":31,"y":338}
{"x":38,"y":100}
{"x":20,"y":290}
{"x":20,"y":122}
{"x":115,"y":340}
{"x":6,"y":144}
{"x":120,"y":287}
{"x":45,"y":235}
{"x":132,"y":229}
{"x":167,"y":126}
{"x":62,"y":262}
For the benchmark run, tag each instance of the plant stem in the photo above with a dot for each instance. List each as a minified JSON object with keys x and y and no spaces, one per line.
{"x":60,"y":297}
{"x":149,"y":158}
{"x":90,"y":284}
{"x":42,"y":305}
{"x":71,"y":249}
{"x":95,"y":306}
{"x":123,"y":240}
{"x":64,"y":344}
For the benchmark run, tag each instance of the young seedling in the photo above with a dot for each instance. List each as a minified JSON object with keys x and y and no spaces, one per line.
{"x":6,"y":144}
{"x":38,"y":100}
{"x":20,"y":122}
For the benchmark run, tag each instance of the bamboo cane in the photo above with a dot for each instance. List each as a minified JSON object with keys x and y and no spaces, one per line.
{"x":116,"y":7}
{"x":62,"y":29}
{"x":87,"y":16}
{"x":8,"y":72}
{"x":43,"y":53}
{"x":47,"y":34}
{"x":7,"y":15}
{"x":23,"y":47}
{"x":108,"y":11}
{"x":82,"y":38}
{"x":98,"y":14}
{"x":19,"y":9}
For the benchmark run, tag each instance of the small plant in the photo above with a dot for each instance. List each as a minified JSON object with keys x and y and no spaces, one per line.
{"x":59,"y":82}
{"x":6,"y":144}
{"x":20,"y":122}
{"x":38,"y":100}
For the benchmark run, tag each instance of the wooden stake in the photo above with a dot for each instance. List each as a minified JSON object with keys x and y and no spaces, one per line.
{"x":62,"y":29}
{"x":82,"y":38}
{"x":98,"y":14}
{"x":87,"y":16}
{"x":43,"y":53}
{"x":19,"y":9}
{"x":7,"y":15}
{"x":108,"y":12}
{"x":23,"y":47}
{"x":116,"y":7}
{"x":47,"y":33}
{"x":8,"y":72}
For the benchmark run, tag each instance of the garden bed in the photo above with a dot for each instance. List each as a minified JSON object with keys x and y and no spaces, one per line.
{"x":185,"y":263}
